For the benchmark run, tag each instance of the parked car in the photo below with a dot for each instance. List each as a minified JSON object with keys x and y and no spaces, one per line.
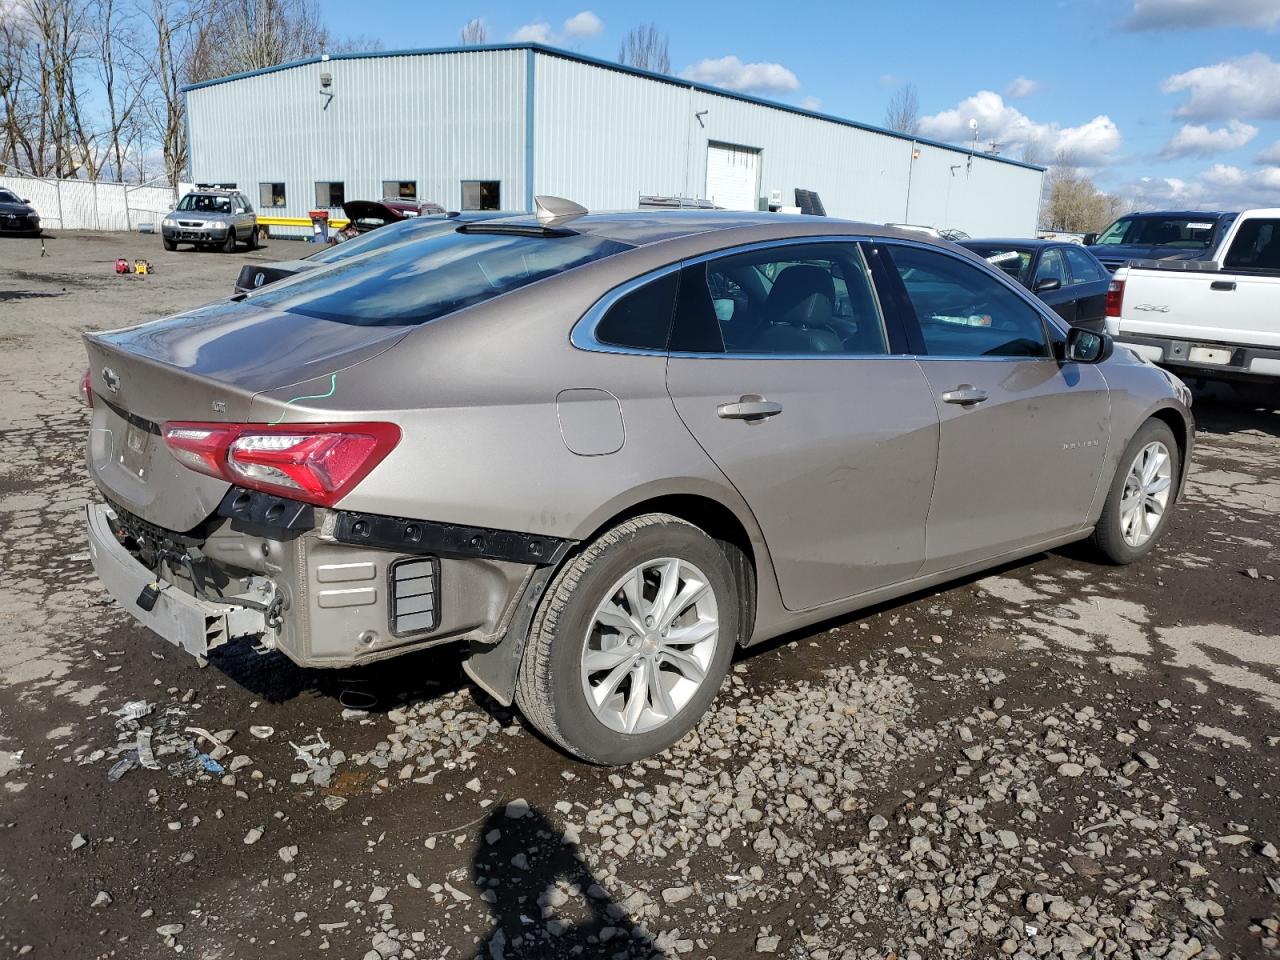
{"x":602,"y":451}
{"x":1214,"y":319}
{"x":1159,"y":235}
{"x":17,"y":215}
{"x":255,"y":275}
{"x":1062,"y":274}
{"x":211,"y":218}
{"x":366,"y":215}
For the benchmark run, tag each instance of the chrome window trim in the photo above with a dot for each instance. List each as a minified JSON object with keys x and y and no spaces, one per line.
{"x":1047,"y":317}
{"x":583,"y":334}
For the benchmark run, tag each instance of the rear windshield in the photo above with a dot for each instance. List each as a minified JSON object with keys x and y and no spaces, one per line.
{"x":387,"y":236}
{"x":419,"y":281}
{"x":1176,"y":233}
{"x":1011,"y":260}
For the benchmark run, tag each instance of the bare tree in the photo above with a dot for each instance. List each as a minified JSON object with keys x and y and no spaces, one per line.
{"x":645,"y":47}
{"x":253,"y":34}
{"x":474,"y":33}
{"x":903,"y":112}
{"x":1072,"y":203}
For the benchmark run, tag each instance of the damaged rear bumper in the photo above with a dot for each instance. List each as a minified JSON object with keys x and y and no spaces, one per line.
{"x":194,"y":624}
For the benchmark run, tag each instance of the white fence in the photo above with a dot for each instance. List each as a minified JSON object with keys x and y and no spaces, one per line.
{"x":91,"y":205}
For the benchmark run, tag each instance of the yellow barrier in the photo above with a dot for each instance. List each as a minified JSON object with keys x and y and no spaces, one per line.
{"x":336,"y":223}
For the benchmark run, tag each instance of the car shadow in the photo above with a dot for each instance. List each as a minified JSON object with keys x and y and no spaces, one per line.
{"x":543,"y":899}
{"x":1220,"y":410}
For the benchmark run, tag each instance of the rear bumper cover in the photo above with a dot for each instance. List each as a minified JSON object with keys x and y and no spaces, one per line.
{"x":195,"y":625}
{"x":1246,"y":363}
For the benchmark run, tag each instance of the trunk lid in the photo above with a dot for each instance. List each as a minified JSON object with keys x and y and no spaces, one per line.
{"x":205,"y":365}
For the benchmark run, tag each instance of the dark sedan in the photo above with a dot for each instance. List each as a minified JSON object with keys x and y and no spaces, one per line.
{"x":17,"y":215}
{"x":1064,"y":275}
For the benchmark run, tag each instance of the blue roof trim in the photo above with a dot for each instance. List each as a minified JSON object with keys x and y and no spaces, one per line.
{"x":619,"y":68}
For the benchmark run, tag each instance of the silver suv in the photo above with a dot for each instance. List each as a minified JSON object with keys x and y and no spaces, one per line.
{"x":211,"y":218}
{"x":602,"y":451}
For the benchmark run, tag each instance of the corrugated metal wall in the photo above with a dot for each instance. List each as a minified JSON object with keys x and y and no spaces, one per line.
{"x":601,"y":136}
{"x":437,"y":119}
{"x":604,"y":138}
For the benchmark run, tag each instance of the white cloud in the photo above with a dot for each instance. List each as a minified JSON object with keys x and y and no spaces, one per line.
{"x":1090,"y":144}
{"x":1247,"y":86}
{"x":1022,"y":87}
{"x":811,"y":103}
{"x":1193,"y":14}
{"x":583,"y":25}
{"x":732,"y":74}
{"x":1269,"y":155}
{"x":1197,"y":140}
{"x":533,"y":33}
{"x":1221,"y":187}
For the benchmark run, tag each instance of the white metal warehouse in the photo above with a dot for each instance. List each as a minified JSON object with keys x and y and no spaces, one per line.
{"x":490,"y":127}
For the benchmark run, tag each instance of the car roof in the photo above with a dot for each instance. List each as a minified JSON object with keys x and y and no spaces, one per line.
{"x":1024,"y":243}
{"x":1177,"y":213}
{"x":643,"y":227}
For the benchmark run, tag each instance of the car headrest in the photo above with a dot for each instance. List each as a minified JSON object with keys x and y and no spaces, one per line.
{"x":802,"y":296}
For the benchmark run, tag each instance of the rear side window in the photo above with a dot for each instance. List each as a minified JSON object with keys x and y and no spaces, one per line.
{"x":784,"y":300}
{"x":424,"y":279}
{"x":965,"y":312}
{"x":641,"y":319}
{"x":1256,"y":247}
{"x":1084,"y":268}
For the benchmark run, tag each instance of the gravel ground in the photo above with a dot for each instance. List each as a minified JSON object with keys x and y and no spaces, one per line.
{"x":1058,"y":759}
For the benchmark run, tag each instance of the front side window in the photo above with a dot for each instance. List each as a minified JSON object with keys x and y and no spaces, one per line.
{"x":1256,"y":247}
{"x":481,"y":195}
{"x":400,"y":189}
{"x":784,"y":300}
{"x":418,"y":281}
{"x":1084,"y":268}
{"x":330,"y":193}
{"x":1052,"y":267}
{"x":965,"y":312}
{"x":271,"y":195}
{"x":641,"y":318}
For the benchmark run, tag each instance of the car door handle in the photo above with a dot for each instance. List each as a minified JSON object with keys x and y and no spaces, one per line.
{"x":750,"y":406}
{"x":965,"y":395}
{"x":1222,"y":285}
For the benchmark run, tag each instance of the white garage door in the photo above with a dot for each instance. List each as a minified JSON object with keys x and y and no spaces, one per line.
{"x":733,"y":176}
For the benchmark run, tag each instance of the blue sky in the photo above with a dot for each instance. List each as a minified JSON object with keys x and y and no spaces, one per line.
{"x":1165,"y":101}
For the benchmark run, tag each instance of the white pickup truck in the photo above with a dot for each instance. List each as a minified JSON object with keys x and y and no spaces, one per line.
{"x":1216,"y":319}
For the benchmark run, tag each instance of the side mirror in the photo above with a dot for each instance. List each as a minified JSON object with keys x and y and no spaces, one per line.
{"x":1048,"y":285}
{"x":1086,"y":346}
{"x":1090,"y":239}
{"x":25,"y":200}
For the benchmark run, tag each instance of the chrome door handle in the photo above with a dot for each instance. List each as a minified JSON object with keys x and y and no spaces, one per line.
{"x":965,"y":395}
{"x":749,"y":406}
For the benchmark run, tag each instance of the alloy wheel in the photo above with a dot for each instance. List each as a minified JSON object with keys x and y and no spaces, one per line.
{"x":649,"y":645}
{"x":1147,"y":487}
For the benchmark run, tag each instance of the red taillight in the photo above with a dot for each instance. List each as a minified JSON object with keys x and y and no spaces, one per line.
{"x":1115,"y":298}
{"x":315,"y":462}
{"x":86,"y":387}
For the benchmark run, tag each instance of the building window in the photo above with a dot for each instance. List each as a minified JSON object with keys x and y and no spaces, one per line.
{"x":271,"y":195}
{"x":330,"y":194}
{"x":400,"y":189}
{"x":481,"y":195}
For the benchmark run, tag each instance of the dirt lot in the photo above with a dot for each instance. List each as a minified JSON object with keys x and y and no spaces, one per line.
{"x":1059,"y":759}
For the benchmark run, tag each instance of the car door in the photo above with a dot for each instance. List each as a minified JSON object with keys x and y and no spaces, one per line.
{"x":1022,"y":435}
{"x":782,"y":368}
{"x":1089,"y":283}
{"x":245,"y":220}
{"x":1051,"y":268}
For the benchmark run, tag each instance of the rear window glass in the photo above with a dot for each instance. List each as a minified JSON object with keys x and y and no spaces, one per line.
{"x":419,"y":281}
{"x":401,"y":232}
{"x":1011,"y":260}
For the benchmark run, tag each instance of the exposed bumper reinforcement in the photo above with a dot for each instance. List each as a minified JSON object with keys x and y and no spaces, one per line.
{"x":191,"y":623}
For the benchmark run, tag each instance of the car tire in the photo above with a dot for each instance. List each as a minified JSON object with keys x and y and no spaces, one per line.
{"x":171,"y":245}
{"x":556,"y":682}
{"x":229,"y":244}
{"x":1123,"y":535}
{"x":252,"y":242}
